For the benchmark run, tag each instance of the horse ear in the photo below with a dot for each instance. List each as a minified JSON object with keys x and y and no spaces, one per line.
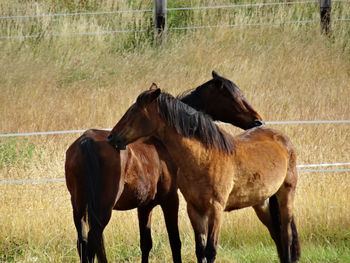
{"x":215,"y":75}
{"x":154,"y":94}
{"x":150,"y":95}
{"x":153,"y":86}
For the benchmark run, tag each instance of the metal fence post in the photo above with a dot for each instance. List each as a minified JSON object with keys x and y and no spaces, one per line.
{"x":325,"y":14}
{"x":160,"y":20}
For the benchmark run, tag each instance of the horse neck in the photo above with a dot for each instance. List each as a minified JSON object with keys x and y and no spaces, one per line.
{"x":194,"y":101}
{"x":187,"y":153}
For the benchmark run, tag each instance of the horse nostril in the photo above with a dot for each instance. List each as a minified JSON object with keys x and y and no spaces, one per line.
{"x":258,"y":122}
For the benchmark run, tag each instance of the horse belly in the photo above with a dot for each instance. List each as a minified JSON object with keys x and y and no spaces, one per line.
{"x":250,"y":194}
{"x":259,"y":174}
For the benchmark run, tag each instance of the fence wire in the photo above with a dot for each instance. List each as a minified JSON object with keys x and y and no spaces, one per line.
{"x":168,"y":9}
{"x":267,"y":122}
{"x":49,"y":180}
{"x":170,"y":29}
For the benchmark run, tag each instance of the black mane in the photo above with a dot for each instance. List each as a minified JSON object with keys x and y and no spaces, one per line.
{"x":192,"y":123}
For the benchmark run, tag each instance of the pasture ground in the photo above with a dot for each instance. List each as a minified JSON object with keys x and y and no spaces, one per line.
{"x":287,"y":72}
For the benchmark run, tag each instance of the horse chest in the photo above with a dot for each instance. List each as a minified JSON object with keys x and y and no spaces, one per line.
{"x":209,"y":182}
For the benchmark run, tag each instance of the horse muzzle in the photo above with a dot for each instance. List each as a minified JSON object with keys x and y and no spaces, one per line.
{"x":117,"y":141}
{"x":258,"y":123}
{"x":254,"y":123}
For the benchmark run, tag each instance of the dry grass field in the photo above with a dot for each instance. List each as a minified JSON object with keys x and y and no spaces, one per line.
{"x":287,"y":72}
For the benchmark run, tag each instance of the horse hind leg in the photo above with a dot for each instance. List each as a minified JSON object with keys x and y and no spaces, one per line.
{"x":82,"y":242}
{"x":289,"y":235}
{"x":269,"y":214}
{"x":285,"y":197}
{"x":95,"y":236}
{"x":90,"y":240}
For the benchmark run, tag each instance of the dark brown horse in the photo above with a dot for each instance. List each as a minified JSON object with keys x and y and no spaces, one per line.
{"x":219,"y":172}
{"x":101,"y":179}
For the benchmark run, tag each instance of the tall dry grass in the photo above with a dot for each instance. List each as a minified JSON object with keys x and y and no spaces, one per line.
{"x":57,"y":83}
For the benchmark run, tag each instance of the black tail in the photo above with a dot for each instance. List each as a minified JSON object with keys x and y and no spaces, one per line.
{"x":276,"y":221}
{"x":295,"y":243}
{"x":275,"y":217}
{"x":93,"y":195}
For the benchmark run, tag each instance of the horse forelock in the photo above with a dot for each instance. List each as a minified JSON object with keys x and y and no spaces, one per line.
{"x":191,"y":123}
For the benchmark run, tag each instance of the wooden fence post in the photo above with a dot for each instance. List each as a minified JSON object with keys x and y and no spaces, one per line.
{"x":325,"y":13}
{"x":160,"y":19}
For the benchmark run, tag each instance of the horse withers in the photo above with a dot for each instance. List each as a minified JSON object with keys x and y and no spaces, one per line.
{"x":101,"y":179}
{"x":219,"y":172}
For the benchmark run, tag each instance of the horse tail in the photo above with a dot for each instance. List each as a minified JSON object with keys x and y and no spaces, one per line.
{"x":275,"y":216}
{"x":276,"y":222}
{"x":295,"y":248}
{"x":91,"y":164}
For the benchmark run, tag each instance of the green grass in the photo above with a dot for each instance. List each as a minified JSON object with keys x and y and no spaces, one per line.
{"x":14,"y":149}
{"x":60,"y":248}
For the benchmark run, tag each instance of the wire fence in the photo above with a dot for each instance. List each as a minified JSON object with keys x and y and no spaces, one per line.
{"x":168,"y":9}
{"x":301,"y":167}
{"x":267,"y":122}
{"x":333,"y":170}
{"x":106,"y":32}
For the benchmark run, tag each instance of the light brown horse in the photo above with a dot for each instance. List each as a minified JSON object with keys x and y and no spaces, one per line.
{"x":219,"y":172}
{"x":101,"y":179}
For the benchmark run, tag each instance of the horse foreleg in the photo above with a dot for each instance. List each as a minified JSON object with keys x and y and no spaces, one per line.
{"x":170,"y":210}
{"x":214,"y":225}
{"x":145,"y":216}
{"x":199,"y":223}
